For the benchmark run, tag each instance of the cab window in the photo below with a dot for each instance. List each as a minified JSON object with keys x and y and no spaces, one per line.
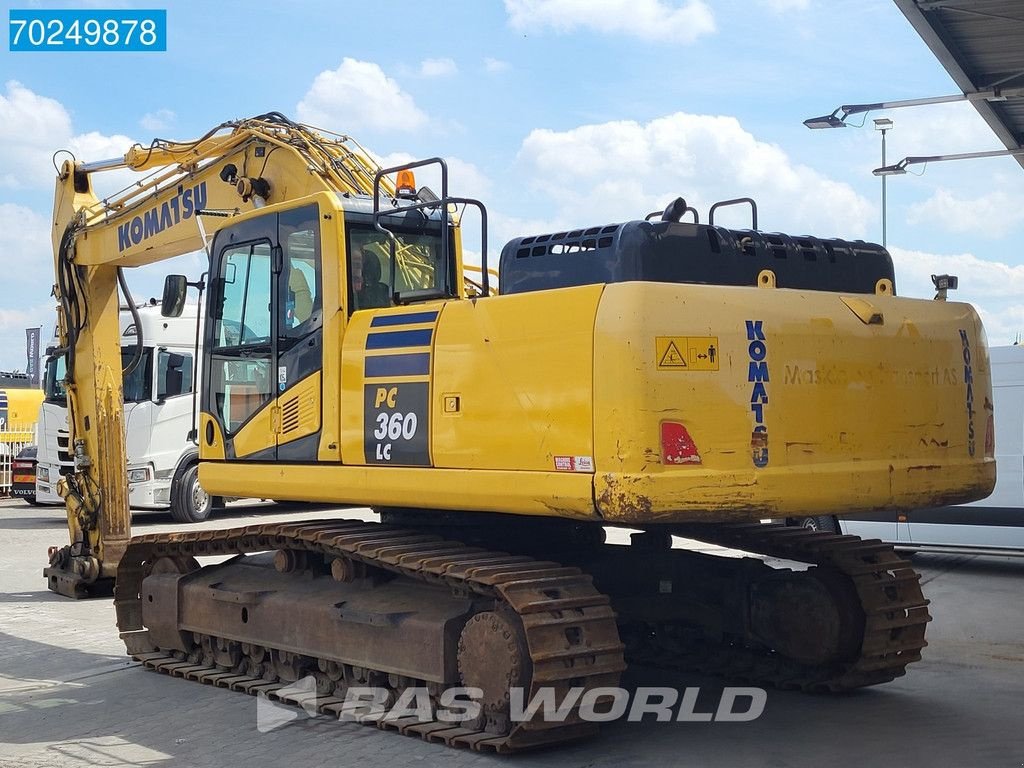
{"x":418,"y":267}
{"x":53,"y":381}
{"x":138,"y":384}
{"x":244,"y":317}
{"x":300,"y":303}
{"x":173,"y":374}
{"x":240,"y":365}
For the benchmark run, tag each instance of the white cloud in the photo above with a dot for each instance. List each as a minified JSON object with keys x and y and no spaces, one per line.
{"x":659,"y":20}
{"x":938,"y":129}
{"x":358,"y":95}
{"x":1005,"y":326}
{"x":160,"y":120}
{"x":980,"y":279}
{"x":464,"y":179}
{"x":32,"y":128}
{"x":437,"y":68}
{"x":623,"y":170}
{"x":28,"y":278}
{"x":28,"y":252}
{"x":993,"y":287}
{"x":991,"y":215}
{"x":495,"y":65}
{"x":97,"y":146}
{"x":13,"y":323}
{"x":13,"y":320}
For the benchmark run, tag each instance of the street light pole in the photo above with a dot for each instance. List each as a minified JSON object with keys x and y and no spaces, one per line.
{"x":883,"y":124}
{"x":901,"y":167}
{"x":837,"y":120}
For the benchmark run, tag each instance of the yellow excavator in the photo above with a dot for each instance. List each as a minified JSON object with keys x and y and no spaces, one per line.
{"x":669,"y":377}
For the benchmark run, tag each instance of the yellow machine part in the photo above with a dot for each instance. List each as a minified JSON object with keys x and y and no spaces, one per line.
{"x":822,"y":414}
{"x":553,"y":403}
{"x":295,"y":415}
{"x":497,"y":364}
{"x":19,"y":416}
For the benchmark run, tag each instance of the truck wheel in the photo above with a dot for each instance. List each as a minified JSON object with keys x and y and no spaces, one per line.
{"x":821,"y":524}
{"x":189,"y":502}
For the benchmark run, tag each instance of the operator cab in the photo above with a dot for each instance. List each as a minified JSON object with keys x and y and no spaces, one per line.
{"x":281,"y":277}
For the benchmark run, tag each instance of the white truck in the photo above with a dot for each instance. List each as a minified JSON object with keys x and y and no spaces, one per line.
{"x":158,"y":417}
{"x":991,"y":526}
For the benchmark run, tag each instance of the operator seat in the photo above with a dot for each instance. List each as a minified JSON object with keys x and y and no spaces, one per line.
{"x":374,"y":293}
{"x":301,"y":295}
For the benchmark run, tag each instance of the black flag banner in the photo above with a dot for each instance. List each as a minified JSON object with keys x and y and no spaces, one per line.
{"x":32,"y":355}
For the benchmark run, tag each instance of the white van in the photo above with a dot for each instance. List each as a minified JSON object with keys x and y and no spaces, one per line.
{"x":162,"y":461}
{"x":991,"y":526}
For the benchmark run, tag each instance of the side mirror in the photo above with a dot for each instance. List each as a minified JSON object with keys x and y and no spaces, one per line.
{"x":175,"y":288}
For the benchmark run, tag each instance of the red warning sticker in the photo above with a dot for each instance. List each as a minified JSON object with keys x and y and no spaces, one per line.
{"x":574,"y":463}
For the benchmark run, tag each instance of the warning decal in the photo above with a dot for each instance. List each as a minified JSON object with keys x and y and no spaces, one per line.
{"x":672,"y":357}
{"x":686,"y":353}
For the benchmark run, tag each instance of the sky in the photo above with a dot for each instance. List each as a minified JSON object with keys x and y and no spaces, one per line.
{"x":556,"y":113}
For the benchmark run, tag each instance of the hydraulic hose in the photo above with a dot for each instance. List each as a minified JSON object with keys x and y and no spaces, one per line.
{"x":137,"y":355}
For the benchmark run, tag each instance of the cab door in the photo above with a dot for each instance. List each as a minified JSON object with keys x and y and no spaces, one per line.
{"x":264,"y":338}
{"x":239,"y":341}
{"x":298,"y":337}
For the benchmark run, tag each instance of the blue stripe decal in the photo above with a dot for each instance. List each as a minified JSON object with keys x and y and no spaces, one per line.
{"x":395,"y":339}
{"x":406,"y":319}
{"x":416,"y":364}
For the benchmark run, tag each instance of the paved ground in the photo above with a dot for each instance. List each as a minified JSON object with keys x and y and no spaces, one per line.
{"x":69,"y":697}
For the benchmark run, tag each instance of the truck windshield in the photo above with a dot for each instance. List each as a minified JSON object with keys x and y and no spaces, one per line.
{"x":53,"y":381}
{"x":137,"y":388}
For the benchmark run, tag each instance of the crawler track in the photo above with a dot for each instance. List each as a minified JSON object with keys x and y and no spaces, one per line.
{"x":570,"y":630}
{"x":889,"y":591}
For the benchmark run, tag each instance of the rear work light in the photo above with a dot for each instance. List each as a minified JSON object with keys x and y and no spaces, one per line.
{"x":677,"y":447}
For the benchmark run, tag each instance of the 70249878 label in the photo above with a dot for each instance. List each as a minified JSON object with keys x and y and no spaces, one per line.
{"x":87,"y":30}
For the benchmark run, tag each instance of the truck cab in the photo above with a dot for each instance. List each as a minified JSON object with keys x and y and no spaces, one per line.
{"x":157,"y":418}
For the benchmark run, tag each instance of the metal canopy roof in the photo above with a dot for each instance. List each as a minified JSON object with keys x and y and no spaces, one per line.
{"x":981,"y":45}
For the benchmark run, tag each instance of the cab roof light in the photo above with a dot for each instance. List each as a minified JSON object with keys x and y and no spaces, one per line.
{"x":405,"y":186}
